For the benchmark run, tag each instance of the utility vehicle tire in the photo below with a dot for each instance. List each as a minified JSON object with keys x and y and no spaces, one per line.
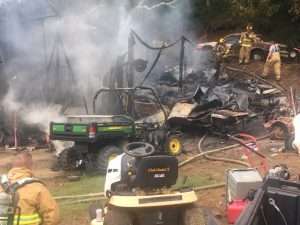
{"x":192,"y":215}
{"x":105,"y":155}
{"x":67,"y":159}
{"x":257,"y":55}
{"x":117,"y":217}
{"x":174,"y":145}
{"x":92,"y":209}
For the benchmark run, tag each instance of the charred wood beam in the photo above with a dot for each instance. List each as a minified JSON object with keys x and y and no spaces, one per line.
{"x":130,"y":71}
{"x":181,"y":62}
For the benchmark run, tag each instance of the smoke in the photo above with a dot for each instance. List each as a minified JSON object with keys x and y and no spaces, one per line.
{"x":48,"y":44}
{"x":42,"y":116}
{"x":2,"y":2}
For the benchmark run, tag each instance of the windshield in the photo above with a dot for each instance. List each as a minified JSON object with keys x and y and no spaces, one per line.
{"x":232,"y":39}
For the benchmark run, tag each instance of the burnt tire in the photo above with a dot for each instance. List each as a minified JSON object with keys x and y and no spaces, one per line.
{"x":67,"y":159}
{"x":92,"y":209}
{"x":105,"y":155}
{"x":192,"y":215}
{"x":117,"y":217}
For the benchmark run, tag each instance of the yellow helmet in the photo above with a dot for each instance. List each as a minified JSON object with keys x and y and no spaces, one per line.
{"x":221,"y":40}
{"x":249,"y":27}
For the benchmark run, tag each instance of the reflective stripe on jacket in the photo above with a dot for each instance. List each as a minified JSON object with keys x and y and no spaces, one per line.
{"x":28,"y":219}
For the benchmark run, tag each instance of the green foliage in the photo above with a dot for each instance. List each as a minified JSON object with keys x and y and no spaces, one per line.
{"x":274,"y":18}
{"x":85,"y":185}
{"x":71,"y":214}
{"x":198,"y":180}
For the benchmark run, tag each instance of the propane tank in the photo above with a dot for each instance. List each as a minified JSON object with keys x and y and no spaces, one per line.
{"x":6,"y":216}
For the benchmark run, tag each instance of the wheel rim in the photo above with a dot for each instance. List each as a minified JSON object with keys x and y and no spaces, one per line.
{"x":174,"y":146}
{"x":257,"y":57}
{"x":293,"y":54}
{"x":112,"y":156}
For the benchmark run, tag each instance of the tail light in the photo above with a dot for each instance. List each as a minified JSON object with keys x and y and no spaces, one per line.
{"x":92,"y":132}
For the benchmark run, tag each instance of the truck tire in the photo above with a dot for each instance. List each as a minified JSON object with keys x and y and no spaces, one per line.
{"x":192,"y":215}
{"x":105,"y":155}
{"x":117,"y":217}
{"x":67,"y":159}
{"x":257,"y":55}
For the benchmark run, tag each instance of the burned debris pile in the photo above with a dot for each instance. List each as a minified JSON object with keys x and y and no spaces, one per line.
{"x":209,"y":102}
{"x":196,"y":88}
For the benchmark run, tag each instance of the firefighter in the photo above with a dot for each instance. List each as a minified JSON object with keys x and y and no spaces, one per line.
{"x":221,"y":50}
{"x":273,"y":61}
{"x":246,"y":41}
{"x":34,"y":199}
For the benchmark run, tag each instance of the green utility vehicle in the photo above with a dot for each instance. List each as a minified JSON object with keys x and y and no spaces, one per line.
{"x":100,"y":138}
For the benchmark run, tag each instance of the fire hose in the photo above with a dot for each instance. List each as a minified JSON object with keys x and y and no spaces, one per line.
{"x":259,"y":154}
{"x":212,"y":152}
{"x":217,"y":158}
{"x":100,"y":197}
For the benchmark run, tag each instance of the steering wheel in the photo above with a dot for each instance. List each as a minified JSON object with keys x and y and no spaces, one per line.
{"x":139,"y":149}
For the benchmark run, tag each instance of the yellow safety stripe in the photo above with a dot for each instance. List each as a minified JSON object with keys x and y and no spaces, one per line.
{"x":246,"y":45}
{"x":28,"y":219}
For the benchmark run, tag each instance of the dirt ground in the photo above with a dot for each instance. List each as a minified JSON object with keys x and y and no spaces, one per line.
{"x":212,"y":199}
{"x":290,"y":72}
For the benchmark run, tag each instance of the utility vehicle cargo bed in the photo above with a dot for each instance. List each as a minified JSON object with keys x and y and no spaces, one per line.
{"x":90,"y":128}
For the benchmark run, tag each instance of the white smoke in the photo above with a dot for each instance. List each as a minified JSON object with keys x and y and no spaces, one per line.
{"x":93,"y":35}
{"x":2,"y":2}
{"x":10,"y":102}
{"x":41,"y":116}
{"x":34,"y":114}
{"x":61,"y":145}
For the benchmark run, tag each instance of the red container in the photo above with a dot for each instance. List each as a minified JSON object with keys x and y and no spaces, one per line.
{"x":234,"y":209}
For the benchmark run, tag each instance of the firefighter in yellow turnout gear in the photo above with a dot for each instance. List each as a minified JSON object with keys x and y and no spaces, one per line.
{"x":246,"y":41}
{"x":35,"y":201}
{"x":221,"y":50}
{"x":273,"y":62}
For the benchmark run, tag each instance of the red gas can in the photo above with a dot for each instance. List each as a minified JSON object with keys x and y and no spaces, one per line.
{"x":234,"y":209}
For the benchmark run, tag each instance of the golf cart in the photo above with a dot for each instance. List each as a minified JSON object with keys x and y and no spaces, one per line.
{"x":138,"y":186}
